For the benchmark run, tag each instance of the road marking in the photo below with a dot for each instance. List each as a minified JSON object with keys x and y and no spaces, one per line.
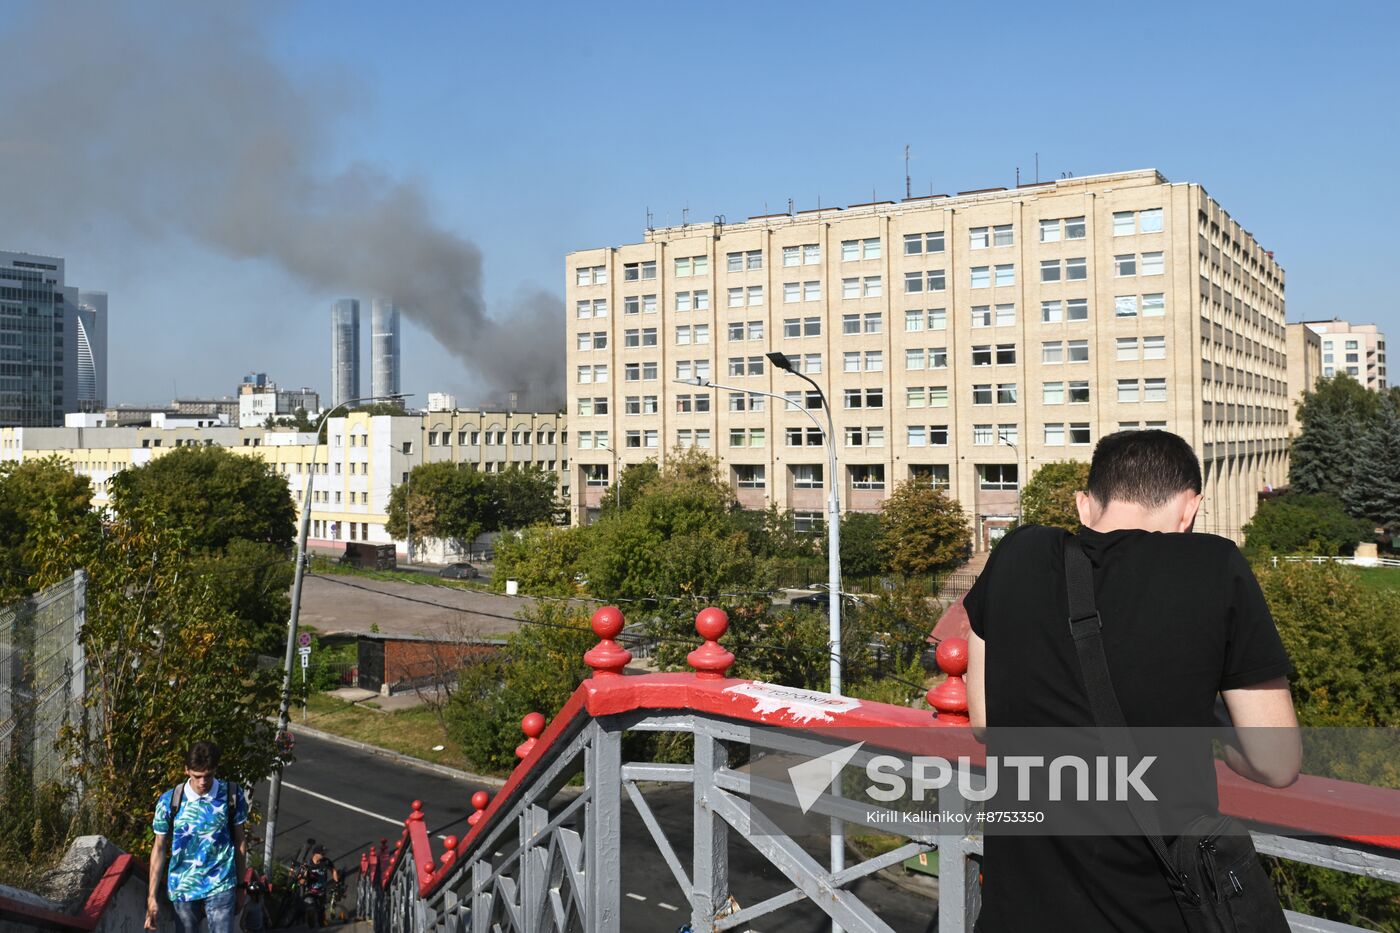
{"x":665,"y":906}
{"x":349,"y":806}
{"x":635,"y":897}
{"x":341,"y":803}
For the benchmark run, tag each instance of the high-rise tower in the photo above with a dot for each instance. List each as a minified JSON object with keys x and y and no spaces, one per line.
{"x":35,"y":310}
{"x":385,"y":358}
{"x":345,"y":351}
{"x":90,"y":359}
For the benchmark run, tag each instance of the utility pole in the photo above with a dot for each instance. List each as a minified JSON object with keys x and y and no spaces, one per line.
{"x":274,"y":794}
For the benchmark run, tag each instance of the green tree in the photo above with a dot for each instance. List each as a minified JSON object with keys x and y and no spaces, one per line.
{"x":1298,"y":523}
{"x":1048,"y":499}
{"x":544,"y":559}
{"x":167,"y":663}
{"x":538,"y":669}
{"x":216,"y":494}
{"x":300,"y":422}
{"x":523,"y":497}
{"x":238,"y":521}
{"x":1334,"y":417}
{"x":33,"y":494}
{"x":1374,"y":491}
{"x":679,"y":538}
{"x":924,"y":531}
{"x":1342,"y":639}
{"x":443,"y":500}
{"x":862,"y":550}
{"x":633,"y":479}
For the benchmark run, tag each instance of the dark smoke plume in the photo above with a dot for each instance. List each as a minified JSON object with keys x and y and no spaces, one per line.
{"x":174,"y":117}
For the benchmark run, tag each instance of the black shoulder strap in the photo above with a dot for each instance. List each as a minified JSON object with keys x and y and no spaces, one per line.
{"x":177,"y":797}
{"x":1086,"y":628}
{"x":230,"y":804}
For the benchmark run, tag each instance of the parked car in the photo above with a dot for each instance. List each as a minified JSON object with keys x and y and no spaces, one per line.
{"x":820,"y":600}
{"x":459,"y":571}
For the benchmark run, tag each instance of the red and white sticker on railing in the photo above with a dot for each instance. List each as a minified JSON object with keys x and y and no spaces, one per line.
{"x":801,"y":706}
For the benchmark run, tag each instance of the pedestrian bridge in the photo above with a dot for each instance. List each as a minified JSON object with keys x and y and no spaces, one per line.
{"x":544,"y":853}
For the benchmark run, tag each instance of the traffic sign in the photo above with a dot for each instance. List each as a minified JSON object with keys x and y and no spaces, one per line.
{"x":304,"y":639}
{"x":306,"y":660}
{"x":304,"y":652}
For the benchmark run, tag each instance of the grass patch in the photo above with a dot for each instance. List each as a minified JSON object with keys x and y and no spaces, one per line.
{"x":324,"y":565}
{"x":409,"y":732}
{"x":1380,"y":579}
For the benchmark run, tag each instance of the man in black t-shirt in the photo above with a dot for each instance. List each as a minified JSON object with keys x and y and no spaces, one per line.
{"x":1184,"y":621}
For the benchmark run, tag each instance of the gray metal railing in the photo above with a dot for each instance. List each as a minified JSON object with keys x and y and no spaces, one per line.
{"x":545,"y":856}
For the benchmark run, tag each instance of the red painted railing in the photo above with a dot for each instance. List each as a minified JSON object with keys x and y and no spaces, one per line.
{"x":1313,"y":805}
{"x":122,"y":867}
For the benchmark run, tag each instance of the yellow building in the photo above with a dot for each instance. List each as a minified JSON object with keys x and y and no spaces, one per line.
{"x":963,"y":339}
{"x":365,"y":456}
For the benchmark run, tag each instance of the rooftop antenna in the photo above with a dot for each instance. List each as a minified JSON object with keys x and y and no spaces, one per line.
{"x":685,"y":216}
{"x":1037,"y":168}
{"x":790,"y":211}
{"x":1018,"y":176}
{"x":650,"y":220}
{"x":719,"y":226}
{"x":907,"y":193}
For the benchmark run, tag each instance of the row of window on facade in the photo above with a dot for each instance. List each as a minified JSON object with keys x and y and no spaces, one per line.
{"x":519,"y":437}
{"x":988,"y":434}
{"x":990,"y":477}
{"x":872,"y":286}
{"x":1125,"y":223}
{"x":1152,"y":304}
{"x":326,"y":530}
{"x":1151,"y":389}
{"x":1052,"y":352}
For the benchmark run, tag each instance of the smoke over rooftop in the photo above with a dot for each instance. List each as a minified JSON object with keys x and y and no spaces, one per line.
{"x":175,"y":118}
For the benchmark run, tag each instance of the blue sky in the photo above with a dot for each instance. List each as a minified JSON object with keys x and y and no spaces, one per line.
{"x":538,"y":130}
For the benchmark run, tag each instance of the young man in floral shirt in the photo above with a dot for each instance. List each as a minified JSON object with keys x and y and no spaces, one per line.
{"x":199,"y":836}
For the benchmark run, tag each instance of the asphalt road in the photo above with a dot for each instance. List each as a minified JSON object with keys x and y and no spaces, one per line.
{"x":348,"y":800}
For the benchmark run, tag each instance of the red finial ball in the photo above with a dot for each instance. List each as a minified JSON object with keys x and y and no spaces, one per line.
{"x":480,"y":799}
{"x":712,"y":623}
{"x":950,"y":697}
{"x":532,"y":725}
{"x":450,"y":843}
{"x":607,"y":622}
{"x":607,"y":658}
{"x":952,"y":656}
{"x":417,"y":805}
{"x":428,"y":867}
{"x":711,"y":661}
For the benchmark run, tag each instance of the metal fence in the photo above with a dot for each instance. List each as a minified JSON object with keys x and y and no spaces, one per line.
{"x":42,"y":675}
{"x":1353,"y":561}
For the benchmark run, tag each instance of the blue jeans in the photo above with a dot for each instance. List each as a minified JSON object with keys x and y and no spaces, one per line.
{"x":218,"y":911}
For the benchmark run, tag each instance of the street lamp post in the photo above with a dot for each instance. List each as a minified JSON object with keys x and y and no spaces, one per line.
{"x":408,"y":505}
{"x":833,"y":547}
{"x":617,"y":471}
{"x":274,"y":793}
{"x":1019,"y":479}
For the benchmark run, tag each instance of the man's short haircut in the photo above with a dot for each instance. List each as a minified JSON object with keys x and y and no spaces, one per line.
{"x":202,"y":756}
{"x":1146,"y":468}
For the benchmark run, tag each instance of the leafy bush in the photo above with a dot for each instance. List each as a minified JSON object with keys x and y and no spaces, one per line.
{"x":1301,"y":523}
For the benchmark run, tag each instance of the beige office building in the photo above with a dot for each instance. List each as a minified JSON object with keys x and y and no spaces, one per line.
{"x":964,"y":339}
{"x":363,"y":458}
{"x":1355,"y":349}
{"x":1304,"y":368}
